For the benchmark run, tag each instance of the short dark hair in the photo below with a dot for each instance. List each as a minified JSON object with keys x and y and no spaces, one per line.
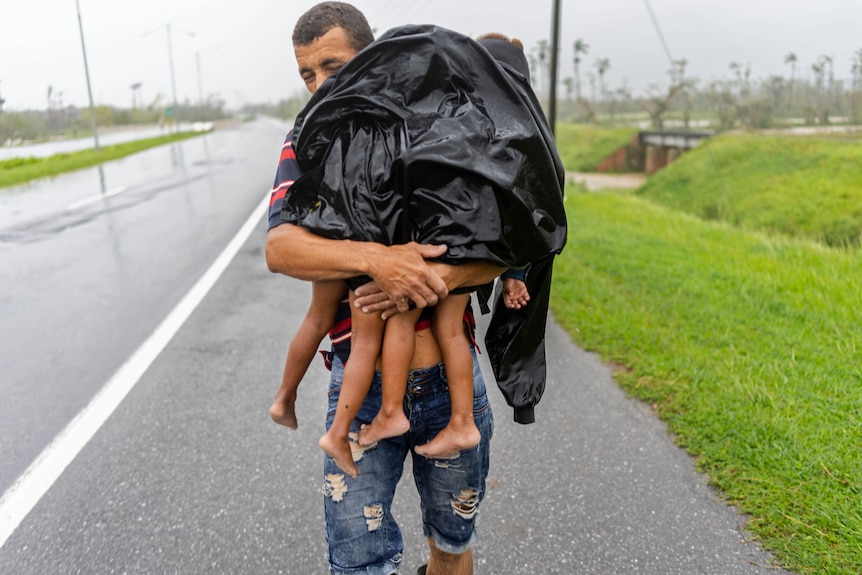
{"x":323,"y":17}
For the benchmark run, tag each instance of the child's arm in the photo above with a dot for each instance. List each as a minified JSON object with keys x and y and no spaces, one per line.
{"x":325,"y":298}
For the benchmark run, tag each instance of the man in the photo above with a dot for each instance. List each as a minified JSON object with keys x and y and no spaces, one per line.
{"x":362,"y":536}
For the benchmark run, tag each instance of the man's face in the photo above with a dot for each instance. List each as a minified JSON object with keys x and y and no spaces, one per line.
{"x":323,"y":57}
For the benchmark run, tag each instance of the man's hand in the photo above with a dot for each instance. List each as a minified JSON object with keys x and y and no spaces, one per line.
{"x":372,"y":298}
{"x":402,"y":278}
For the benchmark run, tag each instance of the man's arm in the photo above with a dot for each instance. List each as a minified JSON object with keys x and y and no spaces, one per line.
{"x":401,"y":271}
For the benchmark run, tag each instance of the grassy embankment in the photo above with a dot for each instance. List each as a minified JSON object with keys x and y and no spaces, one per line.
{"x":805,"y":187}
{"x":582,"y":147}
{"x":20,"y":170}
{"x":749,"y":345}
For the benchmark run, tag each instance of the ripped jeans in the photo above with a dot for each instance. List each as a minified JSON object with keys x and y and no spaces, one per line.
{"x":361,"y":534}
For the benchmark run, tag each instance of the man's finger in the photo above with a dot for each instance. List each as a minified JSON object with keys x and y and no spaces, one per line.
{"x":368,"y":289}
{"x":429,"y":251}
{"x":403,"y":304}
{"x":374,"y":300}
{"x":392,"y":311}
{"x":424,"y":297}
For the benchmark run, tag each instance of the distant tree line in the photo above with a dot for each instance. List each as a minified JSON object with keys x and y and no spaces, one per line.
{"x":285,"y":109}
{"x":820,"y":98}
{"x":57,"y":120}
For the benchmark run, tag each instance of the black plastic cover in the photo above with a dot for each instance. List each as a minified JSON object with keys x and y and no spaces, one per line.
{"x":424,"y":136}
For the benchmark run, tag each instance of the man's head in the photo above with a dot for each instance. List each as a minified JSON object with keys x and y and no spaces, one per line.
{"x":325,"y":38}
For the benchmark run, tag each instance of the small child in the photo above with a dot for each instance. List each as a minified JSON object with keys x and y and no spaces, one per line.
{"x":397,"y":338}
{"x":398,"y":343}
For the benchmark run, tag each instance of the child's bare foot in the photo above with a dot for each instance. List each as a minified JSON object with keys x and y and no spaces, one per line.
{"x":283,"y":413}
{"x":515,"y":294}
{"x":451,"y":440}
{"x":383,"y":427}
{"x":339,"y":450}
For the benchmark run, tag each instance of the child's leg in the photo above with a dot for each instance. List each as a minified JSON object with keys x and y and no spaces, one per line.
{"x":399,"y":340}
{"x":325,"y":297}
{"x":365,"y":341}
{"x":461,"y":432}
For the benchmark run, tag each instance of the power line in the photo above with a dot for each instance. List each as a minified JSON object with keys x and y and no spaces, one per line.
{"x":658,"y":31}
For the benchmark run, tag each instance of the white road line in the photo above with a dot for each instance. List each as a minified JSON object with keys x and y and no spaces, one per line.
{"x":29,"y":488}
{"x":94,"y":199}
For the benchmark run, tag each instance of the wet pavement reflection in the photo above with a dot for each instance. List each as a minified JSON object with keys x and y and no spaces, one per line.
{"x":86,"y":276}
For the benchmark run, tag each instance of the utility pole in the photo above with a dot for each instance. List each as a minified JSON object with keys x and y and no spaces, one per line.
{"x":171,"y":62}
{"x":90,"y":95}
{"x":87,"y":74}
{"x":173,"y":78}
{"x":555,"y":51}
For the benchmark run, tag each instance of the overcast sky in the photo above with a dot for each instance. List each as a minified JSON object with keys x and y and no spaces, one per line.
{"x":245,"y":53}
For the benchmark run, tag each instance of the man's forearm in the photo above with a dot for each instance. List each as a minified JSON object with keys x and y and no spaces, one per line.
{"x":400,"y":271}
{"x":293,"y":251}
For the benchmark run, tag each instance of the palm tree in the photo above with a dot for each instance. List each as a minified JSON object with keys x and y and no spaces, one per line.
{"x":602,"y":66}
{"x":581,"y":47}
{"x":830,"y":62}
{"x":569,"y":83}
{"x":857,"y":69}
{"x":819,"y":70}
{"x":542,"y":50}
{"x":791,"y":59}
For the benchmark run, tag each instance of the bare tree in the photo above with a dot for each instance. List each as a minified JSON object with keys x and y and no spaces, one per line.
{"x":531,"y":60}
{"x":659,"y":101}
{"x":856,"y":69}
{"x":677,"y":76}
{"x":856,"y":98}
{"x":720,"y":96}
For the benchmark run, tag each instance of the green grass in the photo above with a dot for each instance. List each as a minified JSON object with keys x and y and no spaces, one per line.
{"x":802,"y":186}
{"x":21,"y":170}
{"x":583,"y":146}
{"x":750,"y":348}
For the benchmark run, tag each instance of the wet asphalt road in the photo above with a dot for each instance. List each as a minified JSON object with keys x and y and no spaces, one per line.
{"x":189,"y":475}
{"x":85,"y":278}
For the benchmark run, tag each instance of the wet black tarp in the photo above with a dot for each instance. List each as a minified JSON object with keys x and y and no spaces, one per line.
{"x":424,"y":136}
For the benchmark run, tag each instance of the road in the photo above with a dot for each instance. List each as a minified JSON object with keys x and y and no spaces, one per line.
{"x":188,"y":475}
{"x":107,"y":137}
{"x":86,"y":278}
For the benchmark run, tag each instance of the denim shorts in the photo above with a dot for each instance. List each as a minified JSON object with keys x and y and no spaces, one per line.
{"x":361,"y":534}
